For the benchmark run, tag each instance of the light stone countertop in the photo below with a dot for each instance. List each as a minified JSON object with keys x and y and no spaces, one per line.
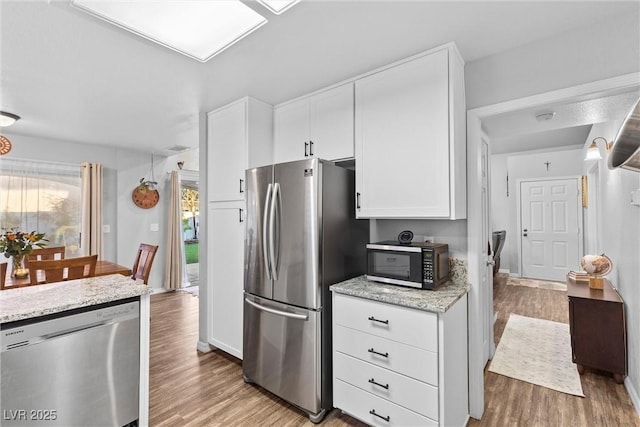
{"x":438,"y":300}
{"x":40,"y":300}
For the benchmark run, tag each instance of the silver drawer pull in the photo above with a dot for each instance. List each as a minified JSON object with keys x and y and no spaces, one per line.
{"x":373,"y":319}
{"x":373,"y":412}
{"x":373,"y":381}
{"x":371,"y":350}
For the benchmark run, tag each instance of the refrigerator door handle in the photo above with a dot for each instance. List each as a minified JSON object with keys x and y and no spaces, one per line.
{"x":276,"y":208}
{"x":265,"y":237}
{"x":277,"y":312}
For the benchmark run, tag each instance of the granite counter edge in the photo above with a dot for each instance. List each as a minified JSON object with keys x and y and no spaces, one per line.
{"x":447,"y":301}
{"x":39,"y":312}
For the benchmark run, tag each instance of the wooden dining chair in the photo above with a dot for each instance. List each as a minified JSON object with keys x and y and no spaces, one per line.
{"x":44,"y":254}
{"x":144,"y":260}
{"x":3,"y":274}
{"x":57,"y":270}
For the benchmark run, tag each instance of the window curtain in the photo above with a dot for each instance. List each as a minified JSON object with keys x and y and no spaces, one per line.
{"x":174,"y":272}
{"x":91,"y":208}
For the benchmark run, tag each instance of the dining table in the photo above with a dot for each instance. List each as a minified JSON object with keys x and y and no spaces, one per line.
{"x":103,"y":268}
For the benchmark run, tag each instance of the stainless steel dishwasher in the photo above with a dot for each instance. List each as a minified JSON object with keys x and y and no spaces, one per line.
{"x":78,"y":369}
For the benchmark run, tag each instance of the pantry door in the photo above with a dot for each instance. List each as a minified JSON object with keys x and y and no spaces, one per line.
{"x":550,"y":228}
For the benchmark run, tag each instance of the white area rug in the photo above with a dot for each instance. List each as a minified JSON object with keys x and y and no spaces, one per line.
{"x":536,"y":283}
{"x":539,"y":352}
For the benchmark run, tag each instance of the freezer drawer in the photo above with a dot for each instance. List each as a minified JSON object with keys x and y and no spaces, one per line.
{"x":282,"y":351}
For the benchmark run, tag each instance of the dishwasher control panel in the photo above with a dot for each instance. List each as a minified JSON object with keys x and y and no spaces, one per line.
{"x":40,"y":330}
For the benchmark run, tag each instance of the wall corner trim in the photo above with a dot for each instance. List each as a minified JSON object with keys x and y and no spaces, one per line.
{"x":633,"y":394}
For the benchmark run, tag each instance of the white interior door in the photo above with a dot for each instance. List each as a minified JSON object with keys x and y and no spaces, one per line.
{"x":550,"y":228}
{"x":486,"y":276}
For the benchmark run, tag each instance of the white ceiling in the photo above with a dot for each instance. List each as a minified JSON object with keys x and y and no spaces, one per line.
{"x":73,"y":77}
{"x":570,"y":126}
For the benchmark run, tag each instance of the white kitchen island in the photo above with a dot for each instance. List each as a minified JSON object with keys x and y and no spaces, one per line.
{"x":100,"y":300}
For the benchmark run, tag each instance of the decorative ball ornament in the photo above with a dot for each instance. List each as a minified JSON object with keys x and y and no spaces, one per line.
{"x":5,"y":145}
{"x":145,"y":198}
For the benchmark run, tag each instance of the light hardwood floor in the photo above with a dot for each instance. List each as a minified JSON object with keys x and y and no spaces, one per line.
{"x":188,"y":388}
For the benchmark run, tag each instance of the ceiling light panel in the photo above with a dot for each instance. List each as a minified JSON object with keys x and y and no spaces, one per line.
{"x":198,"y":29}
{"x":278,"y":6}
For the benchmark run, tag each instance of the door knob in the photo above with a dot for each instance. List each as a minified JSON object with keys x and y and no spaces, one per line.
{"x":524,"y":232}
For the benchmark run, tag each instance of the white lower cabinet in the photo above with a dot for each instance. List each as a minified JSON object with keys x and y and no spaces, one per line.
{"x":225,"y":272}
{"x":374,"y":410}
{"x":394,"y":365}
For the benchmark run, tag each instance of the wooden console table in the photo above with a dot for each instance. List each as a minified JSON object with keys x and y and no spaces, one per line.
{"x":598,"y":331}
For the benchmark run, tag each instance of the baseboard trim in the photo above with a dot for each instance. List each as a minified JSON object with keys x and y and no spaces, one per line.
{"x":159,"y":290}
{"x":633,"y":394}
{"x":203,"y":347}
{"x":504,"y":270}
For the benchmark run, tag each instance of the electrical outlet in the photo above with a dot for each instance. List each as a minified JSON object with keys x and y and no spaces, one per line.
{"x":106,"y":228}
{"x":635,"y":197}
{"x":154,"y":227}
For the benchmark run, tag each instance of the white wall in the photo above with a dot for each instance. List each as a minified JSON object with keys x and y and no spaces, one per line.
{"x":621,"y":242}
{"x":190,"y":158}
{"x":123,"y":169}
{"x":584,"y":55}
{"x":453,"y":233}
{"x":504,"y":209}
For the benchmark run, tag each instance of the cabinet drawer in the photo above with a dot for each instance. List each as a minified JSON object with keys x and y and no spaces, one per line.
{"x":406,"y":325}
{"x":405,"y":359}
{"x":360,"y":404}
{"x":407,"y":392}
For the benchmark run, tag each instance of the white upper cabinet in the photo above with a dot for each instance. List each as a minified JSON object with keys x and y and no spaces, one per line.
{"x":291,"y":141}
{"x":410,"y":139}
{"x":319,"y":125}
{"x":239,"y":137}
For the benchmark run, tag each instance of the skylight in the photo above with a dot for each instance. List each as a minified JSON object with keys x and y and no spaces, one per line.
{"x":278,"y":6}
{"x":198,"y":29}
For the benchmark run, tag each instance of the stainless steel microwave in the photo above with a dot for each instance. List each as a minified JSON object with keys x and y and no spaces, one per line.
{"x":419,"y":265}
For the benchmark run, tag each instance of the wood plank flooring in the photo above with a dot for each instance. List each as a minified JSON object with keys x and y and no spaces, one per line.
{"x":188,"y":388}
{"x":510,"y":402}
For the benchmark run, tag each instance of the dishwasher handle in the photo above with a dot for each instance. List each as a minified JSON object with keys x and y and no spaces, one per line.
{"x":73,"y":330}
{"x":277,"y":312}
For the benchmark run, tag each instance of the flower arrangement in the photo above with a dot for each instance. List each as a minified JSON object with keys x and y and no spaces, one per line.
{"x":16,"y":245}
{"x":14,"y":242}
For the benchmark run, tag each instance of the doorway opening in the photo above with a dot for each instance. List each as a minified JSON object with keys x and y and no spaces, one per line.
{"x":478,"y":127}
{"x":190,"y":197}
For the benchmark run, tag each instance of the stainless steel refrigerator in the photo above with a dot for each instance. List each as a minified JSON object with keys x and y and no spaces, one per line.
{"x":301,"y":237}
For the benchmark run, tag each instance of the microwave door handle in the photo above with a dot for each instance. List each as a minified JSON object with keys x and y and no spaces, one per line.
{"x":441,"y":271}
{"x":265,"y":234}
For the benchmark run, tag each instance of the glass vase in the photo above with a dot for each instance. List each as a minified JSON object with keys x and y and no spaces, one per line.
{"x":18,"y":269}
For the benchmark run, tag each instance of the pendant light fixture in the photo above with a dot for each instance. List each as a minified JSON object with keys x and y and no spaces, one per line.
{"x":151,"y":184}
{"x":7,"y":119}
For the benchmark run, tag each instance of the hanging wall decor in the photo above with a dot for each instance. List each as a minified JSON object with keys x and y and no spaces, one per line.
{"x":5,"y":145}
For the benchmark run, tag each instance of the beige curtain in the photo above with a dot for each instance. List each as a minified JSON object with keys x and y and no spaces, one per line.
{"x":91,"y":238}
{"x":173,"y":263}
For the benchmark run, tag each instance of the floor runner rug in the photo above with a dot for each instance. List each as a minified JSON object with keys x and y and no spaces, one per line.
{"x":539,"y":352}
{"x":535,"y":283}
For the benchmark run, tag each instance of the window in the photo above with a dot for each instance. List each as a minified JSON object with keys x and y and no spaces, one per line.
{"x":44,"y":197}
